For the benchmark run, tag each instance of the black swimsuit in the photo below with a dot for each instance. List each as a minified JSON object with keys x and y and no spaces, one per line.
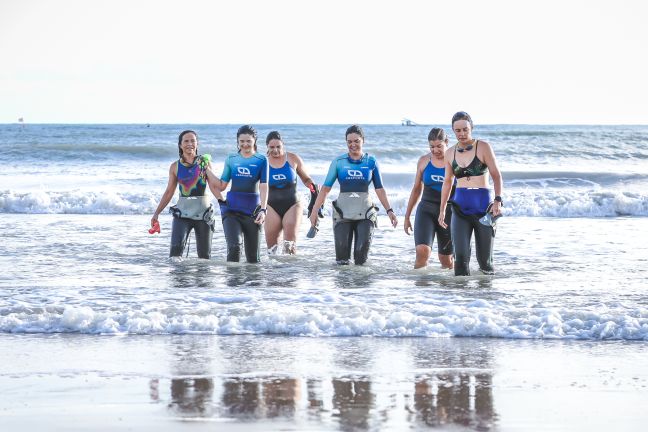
{"x":474,"y":169}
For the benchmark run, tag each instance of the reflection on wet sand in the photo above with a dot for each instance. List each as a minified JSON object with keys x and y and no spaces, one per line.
{"x":267,"y":398}
{"x":449,"y":385}
{"x":461,"y":399}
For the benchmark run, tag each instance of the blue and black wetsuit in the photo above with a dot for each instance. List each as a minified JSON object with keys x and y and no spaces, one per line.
{"x":353,"y":176}
{"x":192,"y":182}
{"x":282,"y":188}
{"x":468,"y":205}
{"x":426,"y":222}
{"x":238,"y":211}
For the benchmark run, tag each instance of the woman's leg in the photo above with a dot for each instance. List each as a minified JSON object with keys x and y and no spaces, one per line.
{"x":291,"y":222}
{"x":272,"y":227}
{"x":233,"y":236}
{"x":461,"y":231}
{"x":203,"y":233}
{"x":444,"y":241}
{"x":343,"y":235}
{"x":363,"y":235}
{"x":423,"y":234}
{"x":180,"y":230}
{"x":251,"y":239}
{"x":484,"y":241}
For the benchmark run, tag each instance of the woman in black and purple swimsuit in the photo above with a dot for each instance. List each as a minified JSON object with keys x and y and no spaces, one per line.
{"x":470,"y":160}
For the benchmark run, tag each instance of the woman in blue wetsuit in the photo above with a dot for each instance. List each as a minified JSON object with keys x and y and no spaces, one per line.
{"x":430,"y":171}
{"x":284,"y":206}
{"x":470,"y":160}
{"x":193,"y":209}
{"x":354,"y":213}
{"x":244,"y":210}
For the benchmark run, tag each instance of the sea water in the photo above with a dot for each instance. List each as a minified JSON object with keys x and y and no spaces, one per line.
{"x":570,"y":253}
{"x":100,"y":329}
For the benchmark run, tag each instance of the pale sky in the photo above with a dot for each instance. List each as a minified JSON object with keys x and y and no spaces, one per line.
{"x":159,"y":61}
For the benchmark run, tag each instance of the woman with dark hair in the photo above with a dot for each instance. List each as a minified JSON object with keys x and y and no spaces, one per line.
{"x":244,"y":210}
{"x":193,"y":209}
{"x":470,"y":160}
{"x":430,"y":171}
{"x":354,"y":213}
{"x":284,"y":207}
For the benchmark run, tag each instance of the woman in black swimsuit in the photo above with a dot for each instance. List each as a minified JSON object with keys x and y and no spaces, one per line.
{"x":284,"y":207}
{"x":469,"y":161}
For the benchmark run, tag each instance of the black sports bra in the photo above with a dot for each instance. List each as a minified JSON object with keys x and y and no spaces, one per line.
{"x":474,"y":169}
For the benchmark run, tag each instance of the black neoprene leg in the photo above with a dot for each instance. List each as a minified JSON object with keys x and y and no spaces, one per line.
{"x":180,"y":230}
{"x":233,"y":236}
{"x":343,"y":235}
{"x":484,"y":241}
{"x":363,"y":235}
{"x":461,"y":231}
{"x":203,"y":234}
{"x":251,"y":238}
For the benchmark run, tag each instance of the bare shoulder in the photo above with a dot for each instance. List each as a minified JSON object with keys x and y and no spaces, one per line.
{"x":423,"y":160}
{"x":294,"y":158}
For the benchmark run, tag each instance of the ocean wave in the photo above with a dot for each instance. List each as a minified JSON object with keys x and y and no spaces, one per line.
{"x":477,"y":319}
{"x":530,"y":202}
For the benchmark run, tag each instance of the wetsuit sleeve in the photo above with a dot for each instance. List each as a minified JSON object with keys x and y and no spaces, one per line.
{"x":227,"y":171}
{"x":264,"y":171}
{"x":376,"y":177}
{"x":332,"y":174}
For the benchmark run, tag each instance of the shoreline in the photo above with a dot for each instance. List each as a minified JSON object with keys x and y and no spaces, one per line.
{"x":81,"y":382}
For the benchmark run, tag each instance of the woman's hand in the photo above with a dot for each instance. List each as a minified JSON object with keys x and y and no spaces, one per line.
{"x":497,"y":208}
{"x":407,"y":225}
{"x":260,"y":218}
{"x":393,"y":218}
{"x":314,"y":218}
{"x":442,"y":212}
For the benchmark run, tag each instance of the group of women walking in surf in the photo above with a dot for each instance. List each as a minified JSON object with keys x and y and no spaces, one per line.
{"x":451,"y":183}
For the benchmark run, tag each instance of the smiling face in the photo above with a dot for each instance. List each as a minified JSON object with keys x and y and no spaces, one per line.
{"x":246,"y":144}
{"x":463,"y":131}
{"x":438,"y":148}
{"x":189,"y":146}
{"x":354,"y":144}
{"x":275,"y":148}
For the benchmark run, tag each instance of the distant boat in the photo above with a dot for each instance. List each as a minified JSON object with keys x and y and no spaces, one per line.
{"x":408,"y":122}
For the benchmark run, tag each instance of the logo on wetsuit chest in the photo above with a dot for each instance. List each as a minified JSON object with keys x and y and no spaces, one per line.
{"x":354,"y":174}
{"x":279,"y":177}
{"x":437,"y":178}
{"x":243,"y":171}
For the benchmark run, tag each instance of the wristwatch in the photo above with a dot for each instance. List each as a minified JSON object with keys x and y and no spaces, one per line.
{"x":499,"y":199}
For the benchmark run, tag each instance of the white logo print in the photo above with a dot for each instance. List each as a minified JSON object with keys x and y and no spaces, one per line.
{"x":243,"y":171}
{"x":278,"y":177}
{"x":437,"y":178}
{"x":354,"y":173}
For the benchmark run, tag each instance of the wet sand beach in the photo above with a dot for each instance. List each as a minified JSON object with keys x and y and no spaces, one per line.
{"x":198,"y":382}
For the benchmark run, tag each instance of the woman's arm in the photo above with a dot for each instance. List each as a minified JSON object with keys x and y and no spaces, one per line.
{"x":301,"y":170}
{"x":417,"y":188}
{"x":213,"y":180}
{"x":321,"y":197}
{"x":263,"y":192}
{"x":168,"y":193}
{"x":445,"y":189}
{"x":496,"y":175}
{"x":215,"y":184}
{"x":382,"y":196}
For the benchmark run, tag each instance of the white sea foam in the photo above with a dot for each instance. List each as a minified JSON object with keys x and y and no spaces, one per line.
{"x":519,"y":202}
{"x":470,"y":320}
